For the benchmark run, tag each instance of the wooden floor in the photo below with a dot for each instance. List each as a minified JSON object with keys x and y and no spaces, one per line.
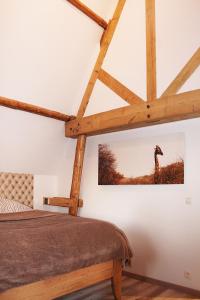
{"x":131,"y":288}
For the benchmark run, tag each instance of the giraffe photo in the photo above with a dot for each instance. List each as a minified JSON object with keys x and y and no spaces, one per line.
{"x":148,"y":160}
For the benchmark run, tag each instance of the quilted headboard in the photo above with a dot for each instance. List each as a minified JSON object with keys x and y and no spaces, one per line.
{"x":17,"y":187}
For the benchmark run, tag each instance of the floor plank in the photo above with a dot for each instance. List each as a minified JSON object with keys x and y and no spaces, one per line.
{"x":131,"y":289}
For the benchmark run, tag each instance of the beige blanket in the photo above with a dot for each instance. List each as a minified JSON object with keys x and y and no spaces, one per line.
{"x":35,"y":245}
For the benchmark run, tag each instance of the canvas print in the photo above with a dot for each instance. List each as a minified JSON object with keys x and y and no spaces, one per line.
{"x":151,"y":160}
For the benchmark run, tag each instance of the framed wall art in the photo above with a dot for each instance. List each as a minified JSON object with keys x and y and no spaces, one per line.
{"x":150,"y":160}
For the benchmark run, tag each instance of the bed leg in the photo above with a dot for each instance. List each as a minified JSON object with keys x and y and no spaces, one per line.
{"x":117,"y":279}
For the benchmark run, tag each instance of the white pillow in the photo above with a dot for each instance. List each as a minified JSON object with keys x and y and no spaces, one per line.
{"x":11,"y":206}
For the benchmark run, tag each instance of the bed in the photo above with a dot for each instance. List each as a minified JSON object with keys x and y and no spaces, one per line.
{"x":45,"y":255}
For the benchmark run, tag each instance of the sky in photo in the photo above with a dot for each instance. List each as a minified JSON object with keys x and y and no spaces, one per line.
{"x":136,"y":157}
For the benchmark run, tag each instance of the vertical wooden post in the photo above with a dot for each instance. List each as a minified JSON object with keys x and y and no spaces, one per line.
{"x":77,"y":172}
{"x":117,"y":279}
{"x":151,"y":50}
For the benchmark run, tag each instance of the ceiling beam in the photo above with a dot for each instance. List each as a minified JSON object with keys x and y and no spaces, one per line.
{"x":88,"y":12}
{"x":184,"y":74}
{"x":151,"y":50}
{"x":100,"y":59}
{"x":166,"y":109}
{"x":118,"y":88}
{"x":15,"y":104}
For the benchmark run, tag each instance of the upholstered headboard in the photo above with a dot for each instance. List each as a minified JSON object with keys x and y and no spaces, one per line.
{"x":17,"y":187}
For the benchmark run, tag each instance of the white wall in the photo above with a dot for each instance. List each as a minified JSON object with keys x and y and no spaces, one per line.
{"x":162,"y":229}
{"x":47,"y":52}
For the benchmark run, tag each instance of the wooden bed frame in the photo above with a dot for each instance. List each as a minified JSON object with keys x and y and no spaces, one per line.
{"x":64,"y":284}
{"x":139,"y":113}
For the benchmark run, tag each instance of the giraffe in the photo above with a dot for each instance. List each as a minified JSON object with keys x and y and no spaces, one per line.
{"x":157,"y":151}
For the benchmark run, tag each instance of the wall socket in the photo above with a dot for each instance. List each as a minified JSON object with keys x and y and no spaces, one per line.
{"x":187,"y":275}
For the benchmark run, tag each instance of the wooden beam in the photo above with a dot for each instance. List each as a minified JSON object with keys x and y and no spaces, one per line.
{"x":103,"y":50}
{"x":166,"y":109}
{"x":151,"y":50}
{"x":118,"y":88}
{"x":88,"y":12}
{"x":77,"y":172}
{"x":61,"y":201}
{"x":184,"y":74}
{"x":15,"y":104}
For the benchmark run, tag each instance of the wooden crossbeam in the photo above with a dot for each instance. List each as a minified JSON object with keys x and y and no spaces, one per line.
{"x":184,"y":74}
{"x":88,"y":12}
{"x":166,"y":109}
{"x":103,"y":50}
{"x":151,"y":50}
{"x":15,"y":104}
{"x":61,"y":201}
{"x":119,"y":88}
{"x":77,"y":172}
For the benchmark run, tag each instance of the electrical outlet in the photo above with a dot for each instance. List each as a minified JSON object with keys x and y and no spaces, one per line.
{"x":187,"y":275}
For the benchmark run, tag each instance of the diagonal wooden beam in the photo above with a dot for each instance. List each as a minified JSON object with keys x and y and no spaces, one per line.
{"x":118,"y":88}
{"x":151,"y":50}
{"x":15,"y":104}
{"x":88,"y":12}
{"x":184,"y":74}
{"x":103,"y":50}
{"x":166,"y":109}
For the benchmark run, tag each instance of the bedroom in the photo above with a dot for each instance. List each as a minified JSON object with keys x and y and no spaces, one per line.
{"x":48,"y":52}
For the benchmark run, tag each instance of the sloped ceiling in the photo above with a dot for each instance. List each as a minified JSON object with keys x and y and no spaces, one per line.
{"x":46,"y":49}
